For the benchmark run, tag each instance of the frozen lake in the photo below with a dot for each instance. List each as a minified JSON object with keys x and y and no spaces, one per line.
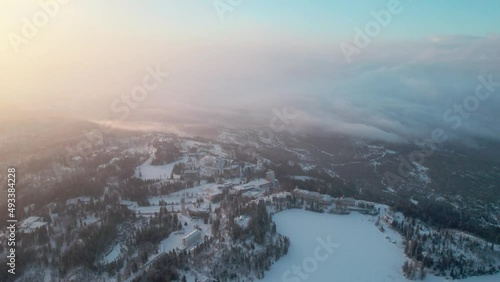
{"x":356,"y":251}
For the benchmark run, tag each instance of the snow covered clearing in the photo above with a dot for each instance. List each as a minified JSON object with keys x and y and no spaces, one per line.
{"x":146,"y":171}
{"x":113,"y":254}
{"x":174,"y":241}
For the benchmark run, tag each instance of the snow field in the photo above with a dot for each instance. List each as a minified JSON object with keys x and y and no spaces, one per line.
{"x":359,"y":251}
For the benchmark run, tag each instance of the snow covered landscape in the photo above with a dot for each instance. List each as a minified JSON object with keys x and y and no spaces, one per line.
{"x":360,"y":252}
{"x":146,"y":171}
{"x":250,"y":141}
{"x":216,"y":214}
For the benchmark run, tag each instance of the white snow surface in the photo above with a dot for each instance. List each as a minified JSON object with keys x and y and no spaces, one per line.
{"x":146,"y":171}
{"x":113,"y":254}
{"x":362,"y":253}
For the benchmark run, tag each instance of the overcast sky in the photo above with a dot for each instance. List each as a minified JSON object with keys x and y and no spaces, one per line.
{"x":239,"y":62}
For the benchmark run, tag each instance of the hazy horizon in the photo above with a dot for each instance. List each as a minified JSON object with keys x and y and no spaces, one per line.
{"x":240,"y":62}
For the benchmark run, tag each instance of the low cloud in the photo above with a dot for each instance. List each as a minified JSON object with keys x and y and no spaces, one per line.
{"x":395,"y":91}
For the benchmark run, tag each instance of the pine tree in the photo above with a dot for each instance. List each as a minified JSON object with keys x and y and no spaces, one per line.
{"x":406,"y":267}
{"x":422,"y":275}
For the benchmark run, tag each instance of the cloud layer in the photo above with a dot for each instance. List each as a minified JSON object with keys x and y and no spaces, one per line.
{"x":395,"y":91}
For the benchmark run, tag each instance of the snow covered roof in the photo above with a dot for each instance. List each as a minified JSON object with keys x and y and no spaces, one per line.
{"x":202,"y":208}
{"x":245,"y":187}
{"x":208,"y":161}
{"x":31,"y":224}
{"x":242,"y":221}
{"x":192,"y":234}
{"x":29,"y":221}
{"x":212,"y":190}
{"x":260,"y":182}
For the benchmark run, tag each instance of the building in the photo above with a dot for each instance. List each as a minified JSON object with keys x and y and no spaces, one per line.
{"x":208,"y":166}
{"x":256,"y":185}
{"x":31,"y":224}
{"x":262,"y":184}
{"x":194,"y":212}
{"x":183,"y":206}
{"x":345,"y":202}
{"x":271,"y":177}
{"x":387,"y":219}
{"x":191,"y":238}
{"x":281,"y":197}
{"x":221,"y":164}
{"x":192,"y":170}
{"x":232,"y":171}
{"x":312,"y":196}
{"x":214,"y":194}
{"x":239,"y":189}
{"x":243,"y":221}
